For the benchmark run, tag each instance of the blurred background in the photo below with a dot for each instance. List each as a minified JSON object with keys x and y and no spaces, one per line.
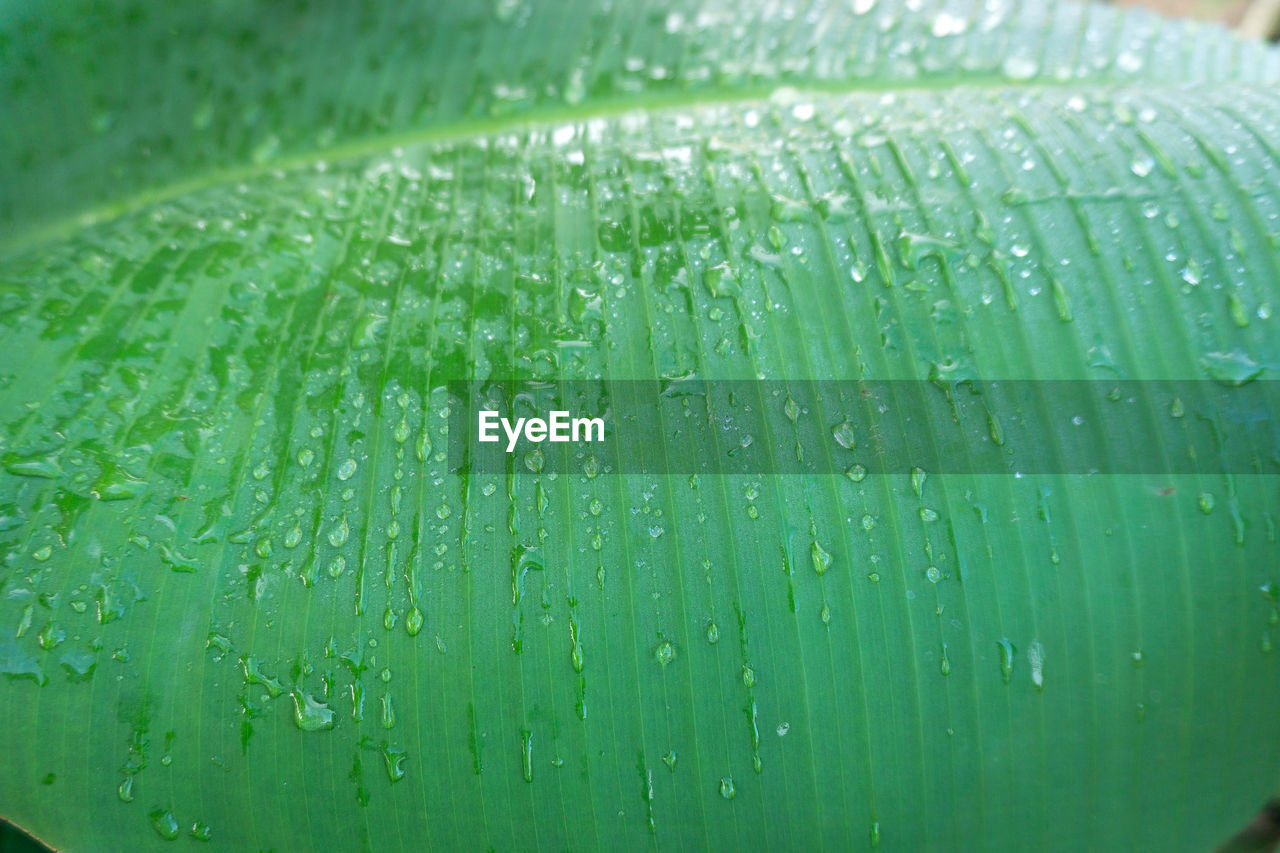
{"x":1254,"y":18}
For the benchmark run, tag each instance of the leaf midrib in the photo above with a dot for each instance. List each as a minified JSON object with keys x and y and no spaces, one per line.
{"x":473,"y":128}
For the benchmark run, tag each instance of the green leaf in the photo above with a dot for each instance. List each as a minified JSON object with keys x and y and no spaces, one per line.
{"x":245,"y":599}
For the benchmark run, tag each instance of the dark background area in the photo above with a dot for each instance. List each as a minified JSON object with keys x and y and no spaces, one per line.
{"x":13,"y":841}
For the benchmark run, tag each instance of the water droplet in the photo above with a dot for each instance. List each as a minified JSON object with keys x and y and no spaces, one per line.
{"x":339,"y":532}
{"x":1236,"y":307}
{"x":347,"y":469}
{"x":254,"y":675}
{"x":1191,"y":273}
{"x":1035,"y":657}
{"x":78,"y":666}
{"x":575,"y":657}
{"x":51,"y":635}
{"x":526,"y":753}
{"x":791,"y":409}
{"x":1020,"y":67}
{"x":413,"y":623}
{"x":1233,"y":368}
{"x":1206,"y":502}
{"x":1129,"y":62}
{"x":309,"y":714}
{"x":844,"y":435}
{"x":116,"y":484}
{"x":44,"y":468}
{"x":393,"y":758}
{"x":165,"y":824}
{"x":1061,"y":300}
{"x":726,"y":787}
{"x":946,"y":24}
{"x":1007,"y":653}
{"x":664,"y":653}
{"x":821,"y":558}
